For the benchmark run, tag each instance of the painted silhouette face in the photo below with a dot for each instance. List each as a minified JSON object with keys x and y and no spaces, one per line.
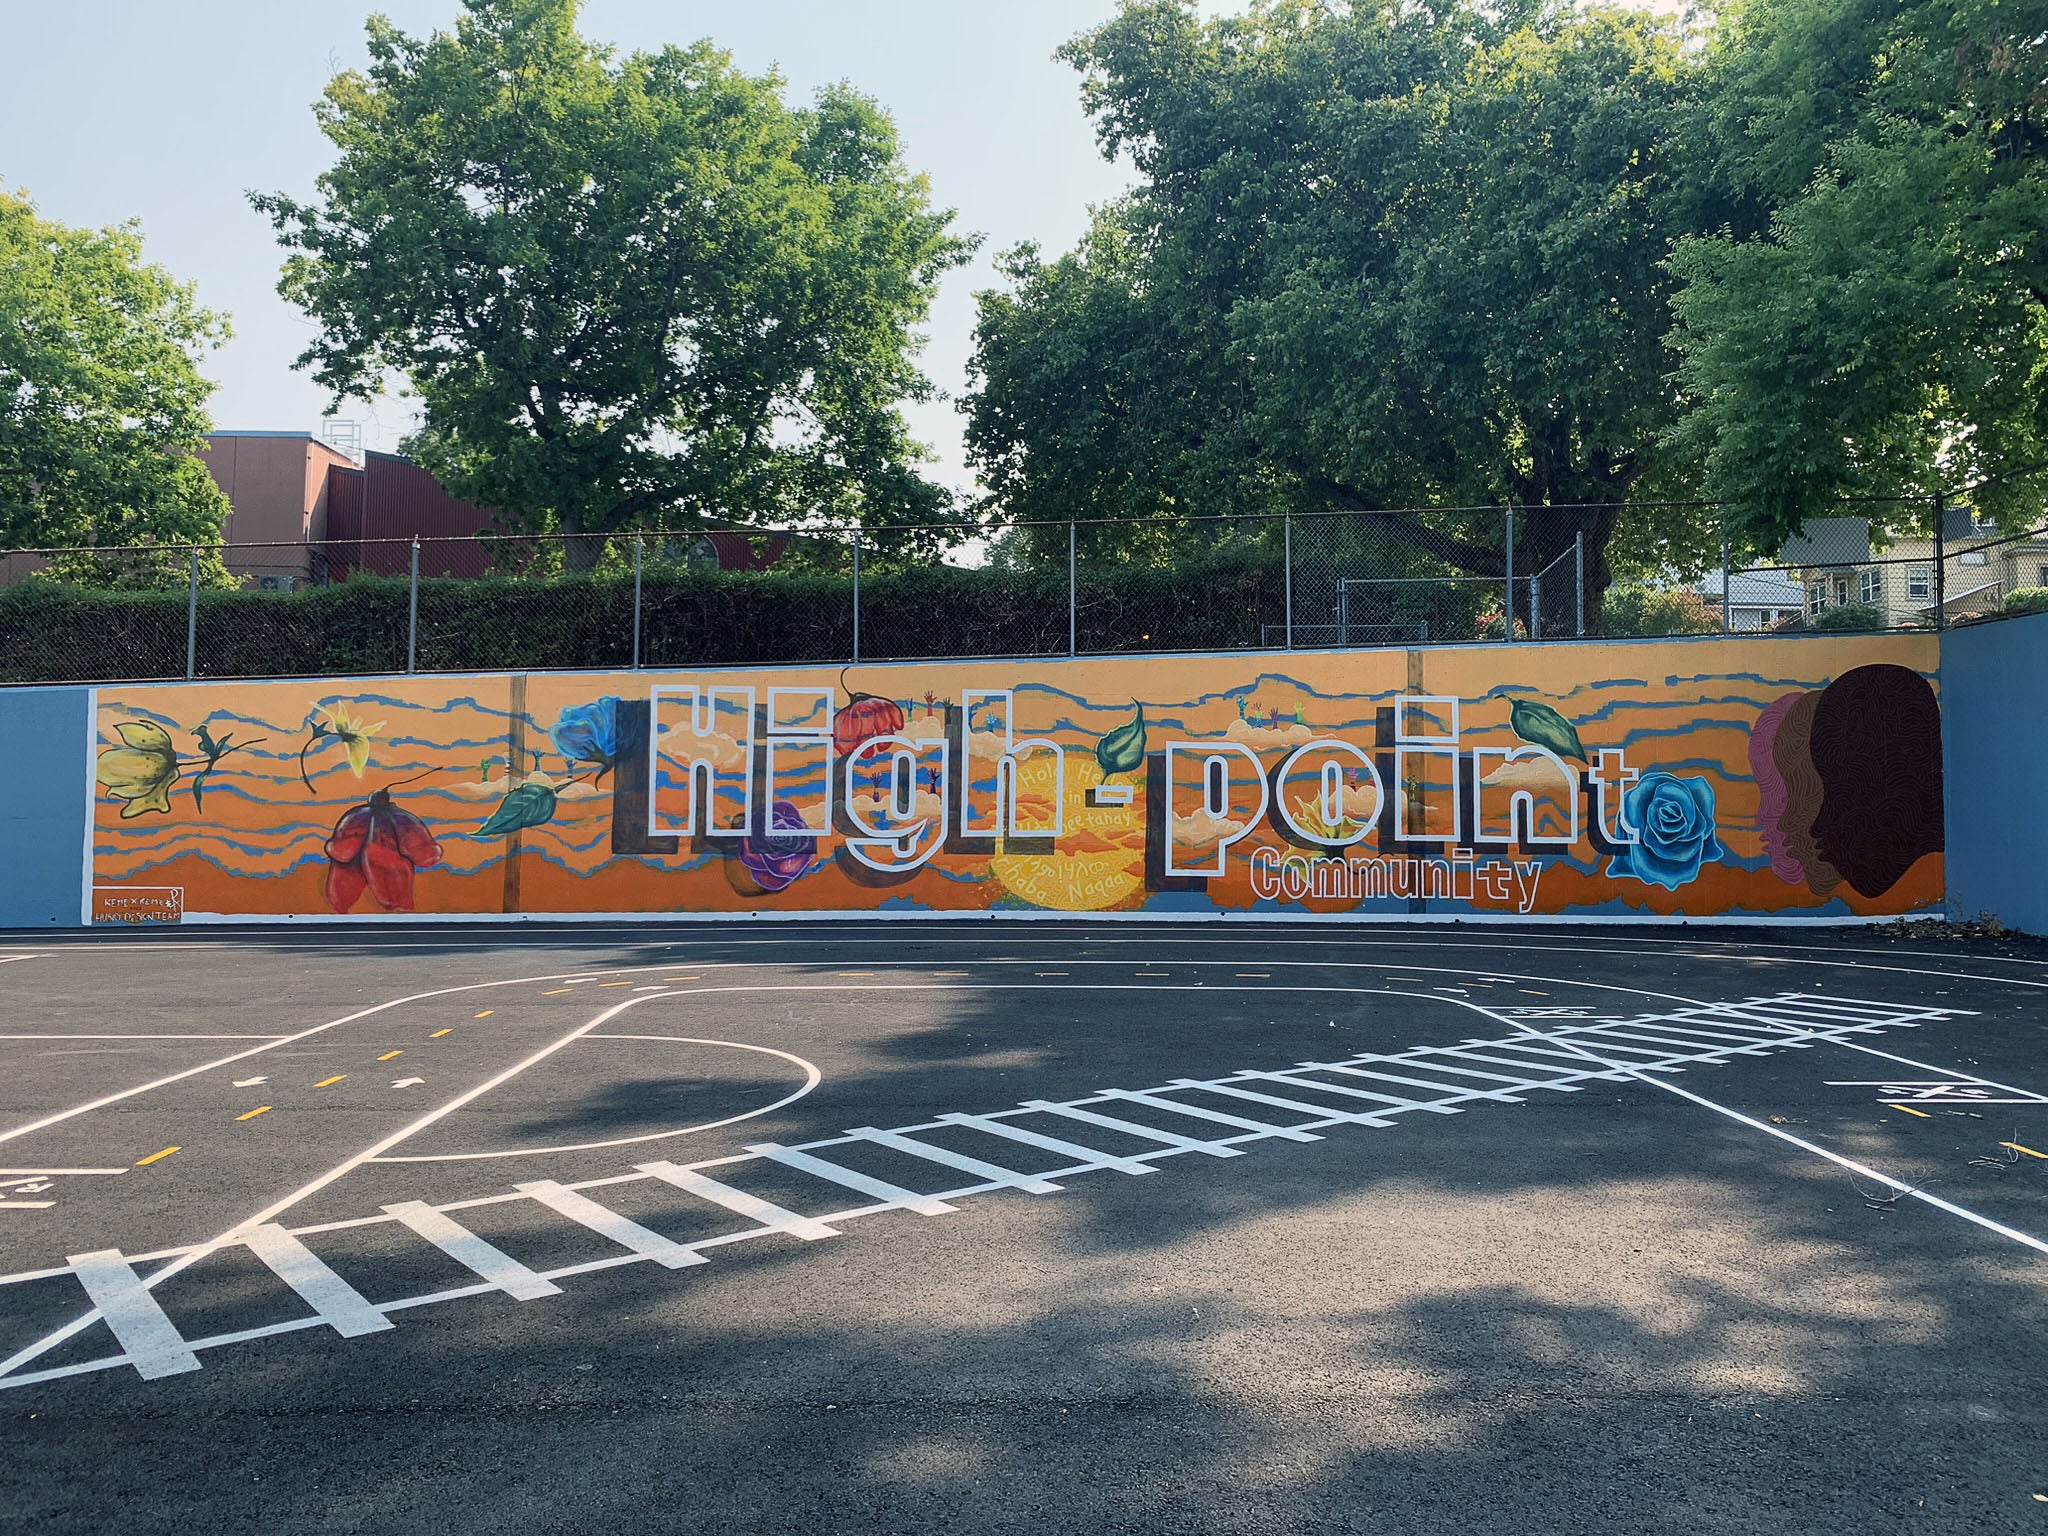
{"x":1792,"y":753}
{"x":1876,"y":744}
{"x":1772,"y":795}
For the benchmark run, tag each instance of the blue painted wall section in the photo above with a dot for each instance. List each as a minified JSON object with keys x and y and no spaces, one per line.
{"x":43,"y":805}
{"x":1994,"y":696}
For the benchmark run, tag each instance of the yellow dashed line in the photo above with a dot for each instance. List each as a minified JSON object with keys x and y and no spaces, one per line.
{"x":1254,"y":975}
{"x":1920,"y":1112}
{"x":157,"y":1157}
{"x":2028,"y":1150}
{"x":389,"y":1054}
{"x":329,"y":1082}
{"x":558,"y":992}
{"x":484,"y":1015}
{"x":853,"y":973}
{"x":261,"y":1109}
{"x":615,"y":984}
{"x":1531,"y":992}
{"x":682,"y":978}
{"x":437,"y":1034}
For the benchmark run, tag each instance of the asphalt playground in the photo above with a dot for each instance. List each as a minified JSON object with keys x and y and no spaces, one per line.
{"x":1023,"y":1228}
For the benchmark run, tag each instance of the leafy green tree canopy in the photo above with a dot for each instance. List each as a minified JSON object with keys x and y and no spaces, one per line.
{"x":1874,"y":319}
{"x":102,"y":405}
{"x":626,"y":291}
{"x":1381,"y":255}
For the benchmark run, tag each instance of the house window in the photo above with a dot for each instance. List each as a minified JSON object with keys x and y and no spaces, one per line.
{"x":1871,"y":587}
{"x":2041,"y":576}
{"x":1920,"y":582}
{"x":1816,"y":597}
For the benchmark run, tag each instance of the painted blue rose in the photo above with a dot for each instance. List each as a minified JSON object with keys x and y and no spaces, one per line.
{"x":589,"y":733}
{"x":1674,"y":822}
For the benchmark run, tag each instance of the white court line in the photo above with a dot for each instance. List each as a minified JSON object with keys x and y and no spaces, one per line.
{"x":4,"y":1037}
{"x":812,"y":1077}
{"x":305,"y":1191}
{"x":2026,"y":1239}
{"x":34,"y":1351}
{"x":934,"y":1204}
{"x":1379,"y":933}
{"x":1350,"y":941}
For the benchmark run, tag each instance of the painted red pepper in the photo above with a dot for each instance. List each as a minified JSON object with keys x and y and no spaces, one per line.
{"x":862,"y":718}
{"x":378,"y":846}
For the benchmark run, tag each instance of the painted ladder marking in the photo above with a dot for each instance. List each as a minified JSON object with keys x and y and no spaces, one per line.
{"x":340,"y":1305}
{"x":160,"y":1345}
{"x":879,"y":1189}
{"x":973,"y":1165}
{"x":144,"y":1331}
{"x":482,"y":1258}
{"x":1455,"y":1090}
{"x":1216,"y":1116}
{"x":1294,"y":1106}
{"x":772,"y":1216}
{"x":1132,"y":1128}
{"x":1397,"y":1103}
{"x":1087,"y":1156}
{"x":606,"y":1222}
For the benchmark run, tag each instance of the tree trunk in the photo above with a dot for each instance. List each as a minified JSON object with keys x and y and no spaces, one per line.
{"x":580,"y":551}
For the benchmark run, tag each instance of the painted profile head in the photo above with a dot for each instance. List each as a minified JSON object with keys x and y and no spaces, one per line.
{"x":1875,"y":742}
{"x":1771,"y":793}
{"x":1787,"y":824}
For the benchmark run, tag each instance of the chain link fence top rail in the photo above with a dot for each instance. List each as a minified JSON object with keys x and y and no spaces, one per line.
{"x":738,"y":596}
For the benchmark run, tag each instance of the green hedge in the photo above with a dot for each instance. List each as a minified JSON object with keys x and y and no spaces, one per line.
{"x":51,"y":632}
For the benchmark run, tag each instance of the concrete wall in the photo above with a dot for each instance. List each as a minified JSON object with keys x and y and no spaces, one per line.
{"x":1994,"y":686}
{"x":44,"y":798}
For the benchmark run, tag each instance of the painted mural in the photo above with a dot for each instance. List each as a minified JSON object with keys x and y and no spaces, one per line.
{"x":1737,"y":777}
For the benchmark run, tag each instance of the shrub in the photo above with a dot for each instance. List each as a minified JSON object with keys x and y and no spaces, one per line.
{"x":1847,"y":617}
{"x":2026,"y":600}
{"x":1630,"y":611}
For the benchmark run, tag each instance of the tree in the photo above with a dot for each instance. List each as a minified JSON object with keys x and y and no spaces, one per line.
{"x":102,"y":406}
{"x":1381,"y":256}
{"x":627,"y":292}
{"x":1874,"y":318}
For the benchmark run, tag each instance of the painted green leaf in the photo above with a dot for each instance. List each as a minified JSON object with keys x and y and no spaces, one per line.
{"x":527,"y":806}
{"x":1545,"y":727}
{"x":1123,"y":748}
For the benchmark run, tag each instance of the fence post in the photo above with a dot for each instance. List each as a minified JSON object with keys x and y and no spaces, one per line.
{"x":1508,"y":614}
{"x":1073,"y":595}
{"x":1536,"y":606}
{"x":639,"y":539}
{"x":1287,"y":573}
{"x":1727,"y":579}
{"x":1579,"y":583}
{"x":412,"y":618}
{"x":856,"y":593}
{"x":192,"y":617}
{"x":1940,"y":560}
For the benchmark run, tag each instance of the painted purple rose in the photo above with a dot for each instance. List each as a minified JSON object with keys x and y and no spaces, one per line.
{"x":1674,"y":822}
{"x":784,"y":854}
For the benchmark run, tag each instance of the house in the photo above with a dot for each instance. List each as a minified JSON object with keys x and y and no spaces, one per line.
{"x":1756,"y":600}
{"x":1838,"y":565}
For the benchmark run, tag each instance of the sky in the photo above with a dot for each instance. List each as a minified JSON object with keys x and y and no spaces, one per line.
{"x":170,"y":113}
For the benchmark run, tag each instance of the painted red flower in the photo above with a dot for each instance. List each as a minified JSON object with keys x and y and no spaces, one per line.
{"x":378,"y":846}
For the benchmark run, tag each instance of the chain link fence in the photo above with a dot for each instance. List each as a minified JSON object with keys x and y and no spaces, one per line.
{"x":726,"y":597}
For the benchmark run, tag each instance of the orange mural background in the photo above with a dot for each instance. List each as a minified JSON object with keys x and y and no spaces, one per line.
{"x":385,"y":797}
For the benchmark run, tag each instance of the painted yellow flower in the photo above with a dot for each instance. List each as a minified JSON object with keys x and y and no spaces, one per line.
{"x":353,"y":735}
{"x":141,"y":771}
